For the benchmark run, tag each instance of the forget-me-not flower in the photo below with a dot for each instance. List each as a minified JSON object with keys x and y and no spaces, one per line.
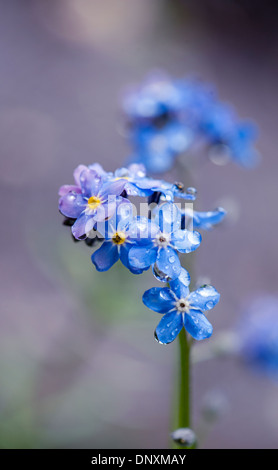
{"x":93,"y":201}
{"x":181,"y":308}
{"x":167,"y":238}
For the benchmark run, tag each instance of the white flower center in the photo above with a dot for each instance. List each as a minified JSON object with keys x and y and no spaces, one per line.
{"x":162,"y":239}
{"x":183,"y":305}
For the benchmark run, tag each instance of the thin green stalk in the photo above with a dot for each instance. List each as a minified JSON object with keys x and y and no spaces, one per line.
{"x":184,"y":417}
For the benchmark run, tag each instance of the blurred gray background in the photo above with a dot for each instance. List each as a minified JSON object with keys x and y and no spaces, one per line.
{"x":78,"y":363}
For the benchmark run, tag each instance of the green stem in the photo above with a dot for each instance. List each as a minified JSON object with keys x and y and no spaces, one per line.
{"x":184,"y":417}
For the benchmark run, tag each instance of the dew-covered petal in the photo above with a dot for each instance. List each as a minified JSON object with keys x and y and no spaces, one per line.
{"x":142,"y":230}
{"x":169,"y":327}
{"x":72,"y":204}
{"x":67,"y":188}
{"x":159,"y":299}
{"x":142,"y":256}
{"x":197,"y":324}
{"x":204,"y":298}
{"x":99,"y":170}
{"x":83,"y":225}
{"x":77,"y":172}
{"x":105,"y":210}
{"x":114,"y":188}
{"x":168,"y":217}
{"x":90,"y":182}
{"x":180,"y":285}
{"x":206,"y":220}
{"x":186,"y":241}
{"x":124,"y":257}
{"x":168,"y":262}
{"x":105,"y":256}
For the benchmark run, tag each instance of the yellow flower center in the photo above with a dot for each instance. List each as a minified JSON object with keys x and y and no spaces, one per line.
{"x":118,"y":238}
{"x":93,"y":202}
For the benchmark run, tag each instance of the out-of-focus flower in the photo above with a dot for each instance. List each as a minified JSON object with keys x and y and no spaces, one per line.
{"x":181,"y":309}
{"x":169,"y":117}
{"x":258,"y":335}
{"x":158,"y":148}
{"x":161,"y":249}
{"x":93,"y":201}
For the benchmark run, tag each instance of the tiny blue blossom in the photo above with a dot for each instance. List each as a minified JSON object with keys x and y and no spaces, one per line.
{"x":167,"y":238}
{"x":121,"y":232}
{"x":91,"y":200}
{"x":181,"y":308}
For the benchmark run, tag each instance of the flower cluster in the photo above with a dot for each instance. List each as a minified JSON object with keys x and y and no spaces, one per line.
{"x":98,"y":206}
{"x":257,"y":335}
{"x":169,"y":117}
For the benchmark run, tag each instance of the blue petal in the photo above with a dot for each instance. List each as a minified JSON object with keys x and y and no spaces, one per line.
{"x":168,"y":262}
{"x":124,"y":251}
{"x":90,"y":182}
{"x":114,"y":188}
{"x":72,"y":204}
{"x":142,"y":230}
{"x":159,"y":299}
{"x":186,"y":241}
{"x":197,"y":325}
{"x":206,"y":220}
{"x":168,"y":217}
{"x":204,"y":298}
{"x":105,"y":256}
{"x":142,"y":256}
{"x":180,"y":285}
{"x":169,"y":327}
{"x":83,"y":225}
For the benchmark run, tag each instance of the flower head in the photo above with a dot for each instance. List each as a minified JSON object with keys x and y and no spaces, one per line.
{"x":91,"y":200}
{"x":181,"y":308}
{"x":120,"y":233}
{"x":169,"y":117}
{"x":166,"y":239}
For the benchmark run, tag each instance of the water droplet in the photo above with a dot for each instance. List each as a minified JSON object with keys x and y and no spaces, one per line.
{"x":160,"y":275}
{"x":185,"y":437}
{"x":192,"y":191}
{"x":209,"y":305}
{"x":172,"y":259}
{"x":219,"y":154}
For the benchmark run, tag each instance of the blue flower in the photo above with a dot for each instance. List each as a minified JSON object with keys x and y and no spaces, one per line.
{"x":227,"y":134}
{"x":257,"y":333}
{"x":157,"y":148}
{"x":167,"y":117}
{"x":121,"y":232}
{"x":160,"y":249}
{"x":202,"y":220}
{"x":91,"y":201}
{"x":156,"y":97}
{"x":181,"y":308}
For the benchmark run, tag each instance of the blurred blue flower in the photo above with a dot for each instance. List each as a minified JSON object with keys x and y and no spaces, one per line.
{"x":257,"y":333}
{"x":158,"y":148}
{"x":91,"y":201}
{"x":160,"y":249}
{"x":181,"y":308}
{"x":167,"y":117}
